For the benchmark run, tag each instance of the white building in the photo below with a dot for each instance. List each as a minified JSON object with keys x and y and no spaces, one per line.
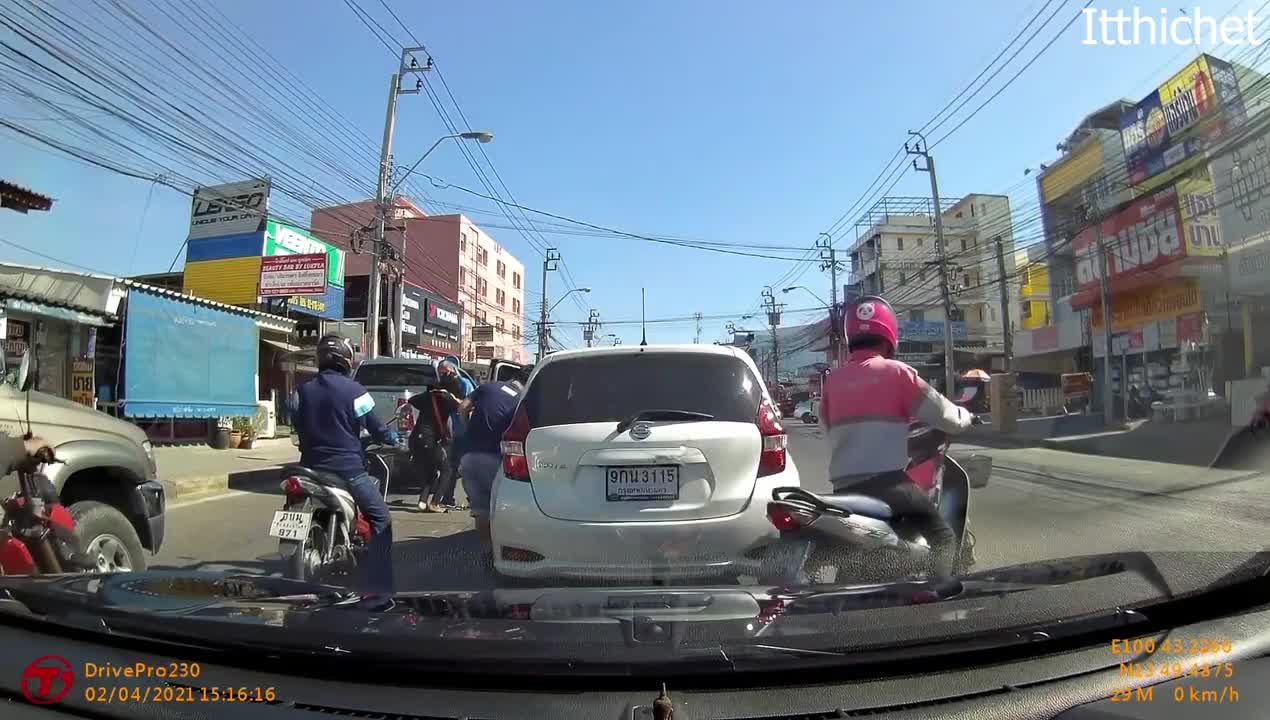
{"x":895,"y":255}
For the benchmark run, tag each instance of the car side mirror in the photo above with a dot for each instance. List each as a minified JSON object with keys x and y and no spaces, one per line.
{"x":26,"y":372}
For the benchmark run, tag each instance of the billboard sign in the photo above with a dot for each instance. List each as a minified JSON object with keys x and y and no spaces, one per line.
{"x":412,"y":302}
{"x":284,"y":239}
{"x":1201,"y":222}
{"x":1142,"y":237}
{"x":441,"y":316}
{"x":1180,"y":118}
{"x":230,"y":209}
{"x":1242,"y":178}
{"x":483,"y":333}
{"x":282,"y":275}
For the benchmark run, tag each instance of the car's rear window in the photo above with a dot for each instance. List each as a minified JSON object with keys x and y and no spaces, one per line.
{"x":599,"y":388}
{"x":394,"y":375}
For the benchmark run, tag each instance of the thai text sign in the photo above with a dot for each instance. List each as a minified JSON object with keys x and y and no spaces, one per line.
{"x":1142,"y":237}
{"x":1136,"y":308}
{"x":292,"y":275}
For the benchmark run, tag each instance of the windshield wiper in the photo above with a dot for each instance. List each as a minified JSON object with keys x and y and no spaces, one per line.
{"x":682,"y":415}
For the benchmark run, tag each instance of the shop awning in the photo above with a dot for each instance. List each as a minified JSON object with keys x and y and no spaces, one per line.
{"x":56,"y":312}
{"x":16,"y":197}
{"x":283,"y":346}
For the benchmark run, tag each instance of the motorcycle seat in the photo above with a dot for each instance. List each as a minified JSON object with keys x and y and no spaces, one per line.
{"x":318,"y":476}
{"x":859,"y":505}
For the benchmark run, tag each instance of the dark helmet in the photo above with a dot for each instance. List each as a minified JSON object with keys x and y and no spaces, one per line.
{"x":335,"y":352}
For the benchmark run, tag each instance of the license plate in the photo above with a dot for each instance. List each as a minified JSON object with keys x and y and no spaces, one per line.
{"x":642,"y":482}
{"x":288,"y":525}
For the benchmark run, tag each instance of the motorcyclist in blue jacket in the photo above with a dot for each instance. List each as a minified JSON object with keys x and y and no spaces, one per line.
{"x":332,"y":410}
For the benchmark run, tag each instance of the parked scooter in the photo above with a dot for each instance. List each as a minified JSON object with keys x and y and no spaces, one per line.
{"x":856,"y":538}
{"x":37,"y":533}
{"x":321,"y":532}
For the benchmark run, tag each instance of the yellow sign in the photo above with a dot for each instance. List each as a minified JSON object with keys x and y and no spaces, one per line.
{"x":1201,"y":222}
{"x":1133,"y":309}
{"x":82,"y":383}
{"x":231,"y":281}
{"x":1072,"y":171}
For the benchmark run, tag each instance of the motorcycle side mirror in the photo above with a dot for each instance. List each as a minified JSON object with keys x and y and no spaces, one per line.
{"x":26,"y":372}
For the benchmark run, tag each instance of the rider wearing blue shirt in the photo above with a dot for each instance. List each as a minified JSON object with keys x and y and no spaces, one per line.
{"x":331,"y":412}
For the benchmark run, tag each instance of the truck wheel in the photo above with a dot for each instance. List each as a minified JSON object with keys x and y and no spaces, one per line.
{"x":108,"y":540}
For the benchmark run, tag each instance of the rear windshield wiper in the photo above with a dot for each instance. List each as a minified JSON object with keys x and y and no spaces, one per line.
{"x":624,"y":425}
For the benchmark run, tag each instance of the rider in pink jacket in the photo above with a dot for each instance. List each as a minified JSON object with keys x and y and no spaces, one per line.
{"x":866,"y":409}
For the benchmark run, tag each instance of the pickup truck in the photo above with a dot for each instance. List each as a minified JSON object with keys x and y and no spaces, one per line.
{"x":108,"y":480}
{"x":391,"y":381}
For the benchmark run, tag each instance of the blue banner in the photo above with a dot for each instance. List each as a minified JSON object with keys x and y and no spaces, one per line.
{"x":328,"y":306}
{"x":931,"y":330}
{"x":187,"y":360}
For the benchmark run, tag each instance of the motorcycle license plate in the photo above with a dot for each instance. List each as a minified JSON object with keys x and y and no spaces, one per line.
{"x":289,"y":525}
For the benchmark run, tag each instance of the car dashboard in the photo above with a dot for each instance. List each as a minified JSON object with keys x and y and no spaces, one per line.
{"x":1076,"y":684}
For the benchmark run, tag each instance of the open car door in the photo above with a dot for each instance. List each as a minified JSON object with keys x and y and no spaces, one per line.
{"x":503,"y":370}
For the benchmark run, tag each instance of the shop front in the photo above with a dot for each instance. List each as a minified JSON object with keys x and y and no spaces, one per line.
{"x":440,"y":332}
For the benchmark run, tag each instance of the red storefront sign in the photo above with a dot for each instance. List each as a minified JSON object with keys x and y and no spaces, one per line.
{"x":1142,"y":242}
{"x":1190,"y":328}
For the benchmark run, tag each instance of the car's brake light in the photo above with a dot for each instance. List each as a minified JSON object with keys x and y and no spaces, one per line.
{"x":515,"y":463}
{"x":771,"y":459}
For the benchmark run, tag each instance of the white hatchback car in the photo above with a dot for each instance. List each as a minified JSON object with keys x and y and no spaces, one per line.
{"x":631,"y":462}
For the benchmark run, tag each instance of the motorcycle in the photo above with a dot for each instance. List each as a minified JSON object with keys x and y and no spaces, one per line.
{"x":37,"y":533}
{"x":825,"y":538}
{"x":320,"y":530}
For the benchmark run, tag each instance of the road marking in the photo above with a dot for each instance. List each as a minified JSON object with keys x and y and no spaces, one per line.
{"x":198,"y":501}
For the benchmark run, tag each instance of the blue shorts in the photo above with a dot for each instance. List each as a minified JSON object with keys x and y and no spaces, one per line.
{"x":479,"y":470}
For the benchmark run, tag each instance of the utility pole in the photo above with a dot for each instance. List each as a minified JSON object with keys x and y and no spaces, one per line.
{"x":1005,"y":306}
{"x":774,"y":320}
{"x":551,"y":261}
{"x":697,"y":340}
{"x":408,"y":66}
{"x":1108,"y":405}
{"x":592,"y":324}
{"x":950,"y":355}
{"x":829,"y":261}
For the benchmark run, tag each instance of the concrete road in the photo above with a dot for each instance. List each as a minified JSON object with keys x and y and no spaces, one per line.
{"x":1040,"y":504}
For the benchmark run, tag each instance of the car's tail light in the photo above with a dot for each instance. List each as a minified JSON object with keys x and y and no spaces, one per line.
{"x":785,"y":518}
{"x":407,"y":424}
{"x":515,"y":463}
{"x":771,"y":459}
{"x":769,"y":610}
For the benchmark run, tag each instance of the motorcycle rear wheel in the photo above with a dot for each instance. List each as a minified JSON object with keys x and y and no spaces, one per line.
{"x":306,"y":561}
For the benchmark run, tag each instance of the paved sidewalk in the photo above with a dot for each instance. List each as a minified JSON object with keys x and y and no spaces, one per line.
{"x":1193,"y":443}
{"x":193,"y":471}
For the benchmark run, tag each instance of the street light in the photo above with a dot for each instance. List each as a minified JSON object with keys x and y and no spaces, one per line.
{"x":479,"y":135}
{"x":809,"y":292}
{"x":562,"y":297}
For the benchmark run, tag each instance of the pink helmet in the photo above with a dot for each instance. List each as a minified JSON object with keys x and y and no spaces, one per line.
{"x":871,"y":316}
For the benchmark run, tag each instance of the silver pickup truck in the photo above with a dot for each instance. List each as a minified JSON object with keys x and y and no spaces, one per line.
{"x":392,"y":381}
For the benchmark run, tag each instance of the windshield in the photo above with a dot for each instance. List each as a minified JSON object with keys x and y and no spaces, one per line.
{"x":394,"y":375}
{"x":615,"y":387}
{"x":709,"y":261}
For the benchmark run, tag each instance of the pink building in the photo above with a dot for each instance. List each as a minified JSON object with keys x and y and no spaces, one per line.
{"x":450,"y":256}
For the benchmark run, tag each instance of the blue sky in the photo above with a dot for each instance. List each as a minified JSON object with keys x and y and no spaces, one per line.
{"x":728,"y":122}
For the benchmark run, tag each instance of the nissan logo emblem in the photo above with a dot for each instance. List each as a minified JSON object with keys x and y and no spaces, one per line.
{"x":641,"y":431}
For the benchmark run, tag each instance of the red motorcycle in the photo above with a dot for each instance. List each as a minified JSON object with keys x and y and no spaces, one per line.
{"x":37,"y":534}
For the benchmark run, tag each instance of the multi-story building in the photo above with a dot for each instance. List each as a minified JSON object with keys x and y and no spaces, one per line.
{"x":895,"y":255}
{"x":454,"y":266}
{"x":1032,"y":287}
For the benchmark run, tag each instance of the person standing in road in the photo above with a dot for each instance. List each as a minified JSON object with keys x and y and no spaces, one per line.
{"x":330,"y":413}
{"x":461,"y":388}
{"x":490,"y":410}
{"x":430,"y":441}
